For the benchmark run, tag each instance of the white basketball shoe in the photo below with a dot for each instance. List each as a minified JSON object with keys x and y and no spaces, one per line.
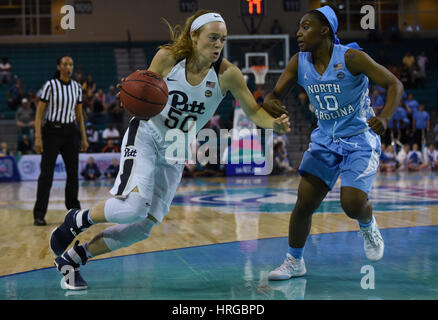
{"x":291,"y":267}
{"x":373,"y":242}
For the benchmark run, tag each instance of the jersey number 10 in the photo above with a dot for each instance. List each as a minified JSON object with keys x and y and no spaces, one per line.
{"x":333,"y":106}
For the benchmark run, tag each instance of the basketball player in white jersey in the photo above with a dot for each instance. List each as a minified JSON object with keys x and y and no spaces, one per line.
{"x":197,"y":79}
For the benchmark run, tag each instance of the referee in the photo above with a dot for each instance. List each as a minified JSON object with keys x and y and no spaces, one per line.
{"x":62,"y":97}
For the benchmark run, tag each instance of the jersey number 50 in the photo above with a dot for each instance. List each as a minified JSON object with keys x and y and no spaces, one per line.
{"x":175,"y":120}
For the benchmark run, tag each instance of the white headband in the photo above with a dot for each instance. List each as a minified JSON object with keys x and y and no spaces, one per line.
{"x":204,"y":19}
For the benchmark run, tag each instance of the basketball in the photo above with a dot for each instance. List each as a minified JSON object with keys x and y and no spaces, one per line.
{"x":144,"y":94}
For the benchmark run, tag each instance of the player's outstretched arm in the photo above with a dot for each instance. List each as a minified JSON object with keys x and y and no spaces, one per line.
{"x":232,"y":80}
{"x":357,"y":62}
{"x":272,"y":103}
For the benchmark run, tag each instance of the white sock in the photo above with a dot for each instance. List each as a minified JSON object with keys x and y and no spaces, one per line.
{"x":74,"y":256}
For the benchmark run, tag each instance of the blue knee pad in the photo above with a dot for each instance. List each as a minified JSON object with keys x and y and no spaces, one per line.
{"x":124,"y":235}
{"x":126,"y":211}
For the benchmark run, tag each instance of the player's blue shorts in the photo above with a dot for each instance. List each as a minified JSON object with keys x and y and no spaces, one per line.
{"x":355,"y":159}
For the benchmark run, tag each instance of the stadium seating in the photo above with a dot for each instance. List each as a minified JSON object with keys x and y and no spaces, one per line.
{"x":36,"y":63}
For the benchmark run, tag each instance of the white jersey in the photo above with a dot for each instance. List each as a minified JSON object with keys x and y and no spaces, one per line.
{"x":187,"y":105}
{"x":144,"y":160}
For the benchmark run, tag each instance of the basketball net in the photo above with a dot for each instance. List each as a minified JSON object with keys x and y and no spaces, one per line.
{"x":259,"y":73}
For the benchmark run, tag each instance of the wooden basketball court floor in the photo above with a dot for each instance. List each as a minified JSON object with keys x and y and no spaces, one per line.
{"x":223,"y":236}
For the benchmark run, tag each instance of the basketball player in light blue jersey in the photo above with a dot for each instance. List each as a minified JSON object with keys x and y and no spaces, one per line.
{"x":346,"y":143}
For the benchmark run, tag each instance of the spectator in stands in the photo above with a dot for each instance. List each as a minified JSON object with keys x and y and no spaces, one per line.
{"x":15,"y":94}
{"x":421,"y":63}
{"x":88,"y":101}
{"x":111,"y":98}
{"x":115,"y":112}
{"x":25,"y":118}
{"x":91,"y":170}
{"x":111,"y":133}
{"x":420,"y":124}
{"x":113,"y":169}
{"x":24,"y":145}
{"x":408,"y":63}
{"x":402,"y":156}
{"x":110,"y":147}
{"x":101,"y":97}
{"x":411,"y":104}
{"x":98,"y":106}
{"x":436,"y":136}
{"x":281,"y":160}
{"x":402,"y":121}
{"x":282,"y":137}
{"x":415,"y":80}
{"x":94,"y":108}
{"x":276,"y":28}
{"x":4,"y":150}
{"x":405,"y":76}
{"x":389,"y":161}
{"x":5,"y":71}
{"x":381,"y":90}
{"x":33,"y":99}
{"x":416,"y":161}
{"x":92,"y":137}
{"x":79,"y":77}
{"x":377,"y":101}
{"x":407,"y":27}
{"x":408,"y":60}
{"x":432,"y":155}
{"x":90,"y":84}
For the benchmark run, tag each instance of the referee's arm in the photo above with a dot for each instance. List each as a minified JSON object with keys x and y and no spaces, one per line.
{"x":80,"y":120}
{"x":42,"y":105}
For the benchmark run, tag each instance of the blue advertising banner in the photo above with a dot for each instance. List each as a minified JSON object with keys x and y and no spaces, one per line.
{"x":8,"y":169}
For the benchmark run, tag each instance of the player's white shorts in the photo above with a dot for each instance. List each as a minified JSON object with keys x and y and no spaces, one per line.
{"x":143,"y":165}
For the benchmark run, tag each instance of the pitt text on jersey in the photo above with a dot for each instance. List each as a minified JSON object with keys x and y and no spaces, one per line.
{"x":180,"y":105}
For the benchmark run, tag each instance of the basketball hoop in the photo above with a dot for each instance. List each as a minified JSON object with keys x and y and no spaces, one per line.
{"x":259,"y":73}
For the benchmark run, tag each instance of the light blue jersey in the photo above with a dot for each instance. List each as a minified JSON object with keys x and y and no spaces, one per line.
{"x":343,"y":145}
{"x":340,"y":100}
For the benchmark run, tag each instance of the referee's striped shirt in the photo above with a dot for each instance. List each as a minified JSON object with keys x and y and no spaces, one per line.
{"x":61,"y":99}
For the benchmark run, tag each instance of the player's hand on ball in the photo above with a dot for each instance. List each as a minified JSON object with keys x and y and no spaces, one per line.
{"x":119,"y":85}
{"x":282,"y":124}
{"x":378,"y":125}
{"x":275,"y":108}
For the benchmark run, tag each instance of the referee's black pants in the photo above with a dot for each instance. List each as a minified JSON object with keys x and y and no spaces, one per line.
{"x":64,"y":140}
